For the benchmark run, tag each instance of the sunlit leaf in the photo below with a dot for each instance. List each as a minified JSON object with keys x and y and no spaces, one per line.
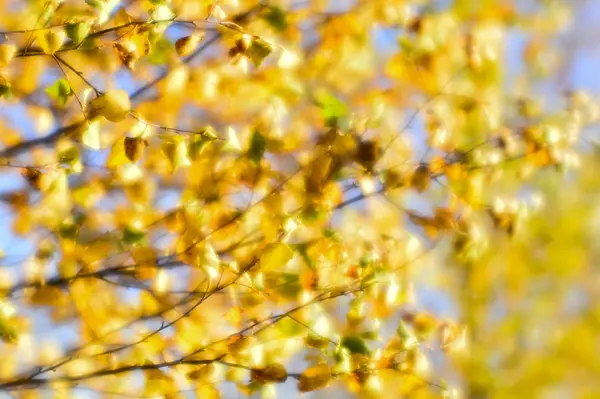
{"x":51,"y":40}
{"x":276,"y":257}
{"x":187,"y":44}
{"x":332,"y":109}
{"x":176,"y":151}
{"x":77,"y":32}
{"x":7,"y":53}
{"x":114,"y":105}
{"x":60,"y":91}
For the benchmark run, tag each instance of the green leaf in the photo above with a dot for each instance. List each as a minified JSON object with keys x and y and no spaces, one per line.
{"x":290,"y":328}
{"x":277,"y":18}
{"x":258,"y":144}
{"x":68,"y":230}
{"x":4,"y":87}
{"x":69,"y":156}
{"x":60,"y":91}
{"x":301,"y":249}
{"x":316,"y":341}
{"x":95,"y":3}
{"x":258,"y":51}
{"x":132,"y":235}
{"x":408,"y":339}
{"x":160,"y":50}
{"x":370,"y":335}
{"x":355,"y":344}
{"x":333,"y":110}
{"x":287,"y":285}
{"x":77,"y":32}
{"x":197,"y":144}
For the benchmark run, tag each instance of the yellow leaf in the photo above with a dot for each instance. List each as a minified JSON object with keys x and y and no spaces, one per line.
{"x":114,"y":105}
{"x":145,"y":260}
{"x":8,"y":332}
{"x":276,"y":257}
{"x":234,"y":316}
{"x":207,"y":391}
{"x":51,"y":40}
{"x":176,"y":150}
{"x":205,"y":372}
{"x":274,"y":372}
{"x":162,"y":282}
{"x":186,"y":45}
{"x":7,"y":53}
{"x":314,"y":378}
{"x":118,"y":155}
{"x":288,"y":60}
{"x":217,"y":12}
{"x":91,"y":136}
{"x":232,"y":142}
{"x":424,"y":324}
{"x":48,"y":295}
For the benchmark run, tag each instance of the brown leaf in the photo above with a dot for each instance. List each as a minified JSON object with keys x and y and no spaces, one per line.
{"x":133,"y":148}
{"x":32,"y":176}
{"x":421,"y":178}
{"x":128,"y":58}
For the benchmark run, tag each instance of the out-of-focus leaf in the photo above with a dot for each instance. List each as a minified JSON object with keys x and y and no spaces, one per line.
{"x":314,"y":378}
{"x":77,"y":32}
{"x":258,"y":144}
{"x":60,"y":91}
{"x":258,"y":51}
{"x":114,"y":105}
{"x":7,"y":53}
{"x":332,"y":109}
{"x":51,"y":40}
{"x":274,"y":372}
{"x":355,"y":344}
{"x":276,"y":257}
{"x":276,"y":17}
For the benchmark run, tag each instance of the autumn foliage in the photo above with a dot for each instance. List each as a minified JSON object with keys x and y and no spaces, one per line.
{"x":220,"y":196}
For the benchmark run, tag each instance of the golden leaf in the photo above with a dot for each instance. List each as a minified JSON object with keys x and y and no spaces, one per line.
{"x":7,"y":53}
{"x":204,"y":372}
{"x":51,"y":40}
{"x":421,"y":178}
{"x":187,"y":44}
{"x":314,"y":378}
{"x":276,"y":257}
{"x":176,"y":150}
{"x":274,"y":372}
{"x":114,"y":105}
{"x":118,"y":155}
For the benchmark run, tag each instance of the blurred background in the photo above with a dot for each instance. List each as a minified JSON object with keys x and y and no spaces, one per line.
{"x":530,"y":304}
